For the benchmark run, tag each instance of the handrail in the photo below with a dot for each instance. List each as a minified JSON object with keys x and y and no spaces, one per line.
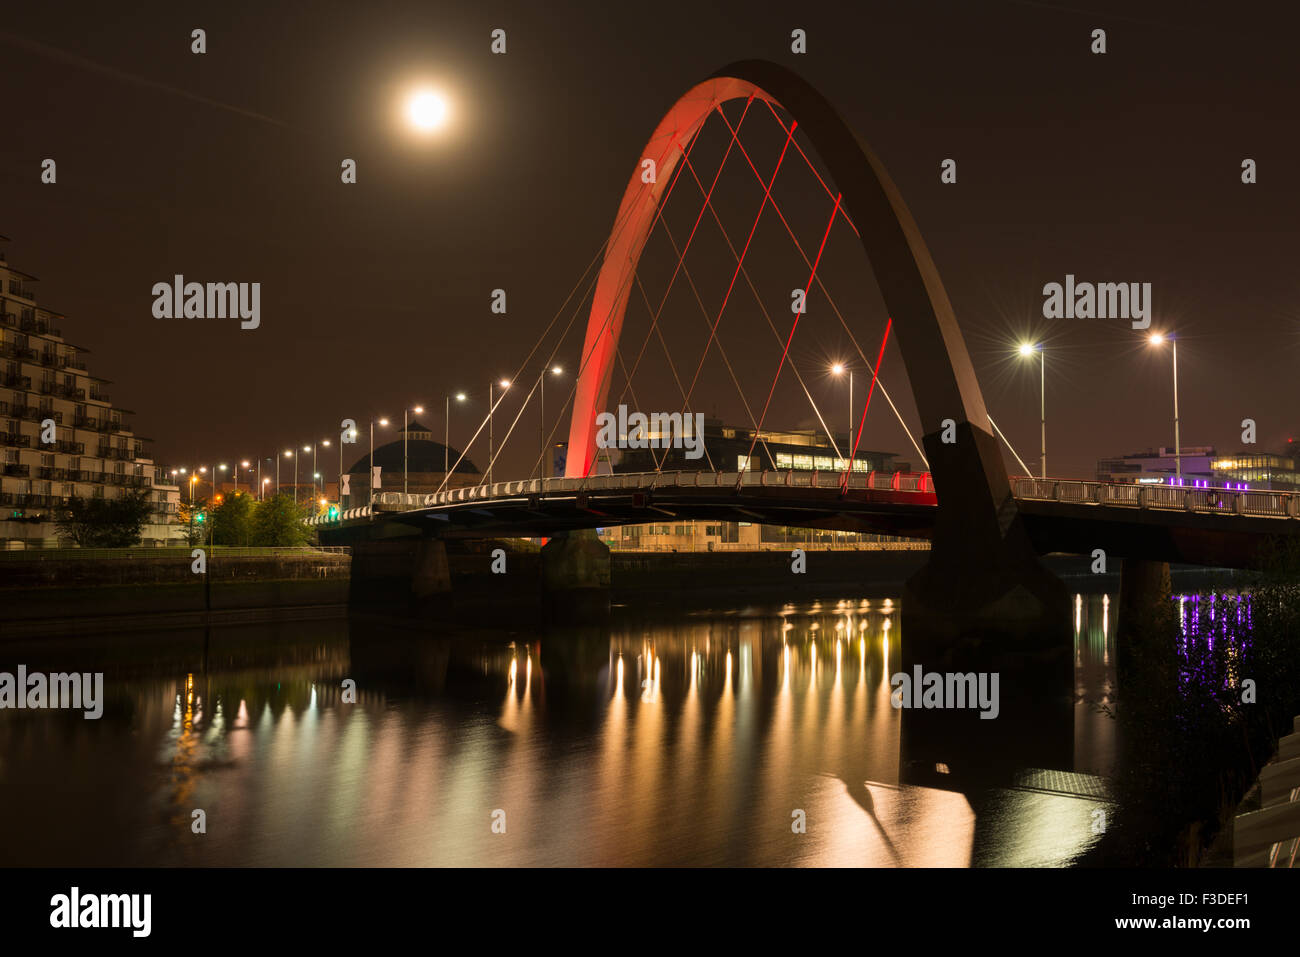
{"x":1197,"y":500}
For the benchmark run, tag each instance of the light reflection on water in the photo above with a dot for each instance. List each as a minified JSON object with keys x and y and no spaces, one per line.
{"x":695,"y":739}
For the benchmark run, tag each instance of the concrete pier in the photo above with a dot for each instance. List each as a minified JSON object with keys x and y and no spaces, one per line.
{"x":576,"y":576}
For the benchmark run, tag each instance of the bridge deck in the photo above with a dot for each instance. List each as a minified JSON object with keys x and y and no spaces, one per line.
{"x":1196,"y":525}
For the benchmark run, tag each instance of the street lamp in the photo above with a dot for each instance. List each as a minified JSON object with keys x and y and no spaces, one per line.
{"x":504,"y":384}
{"x":1028,"y":349}
{"x":1157,"y":339}
{"x":326,"y":443}
{"x":838,"y":370}
{"x":446,"y":437}
{"x":370,"y":483}
{"x":418,"y":410}
{"x":541,"y":419}
{"x":287,"y":453}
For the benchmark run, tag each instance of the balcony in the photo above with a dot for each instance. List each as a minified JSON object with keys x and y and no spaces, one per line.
{"x":18,"y":382}
{"x":122,"y":455}
{"x":20,"y":471}
{"x":86,"y":422}
{"x":71,"y":362}
{"x":71,"y":448}
{"x":28,"y":412}
{"x":49,"y":359}
{"x":97,"y":396}
{"x":52,"y":474}
{"x":12,"y":440}
{"x":18,"y":289}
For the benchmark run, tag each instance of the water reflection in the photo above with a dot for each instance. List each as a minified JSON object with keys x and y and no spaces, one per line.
{"x":704,"y":738}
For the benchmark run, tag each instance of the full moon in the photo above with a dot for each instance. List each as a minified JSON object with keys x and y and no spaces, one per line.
{"x":427,"y":110}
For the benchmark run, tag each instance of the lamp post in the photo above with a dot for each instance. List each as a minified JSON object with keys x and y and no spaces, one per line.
{"x":1156,"y":339}
{"x":839,"y":369}
{"x":505,"y":384}
{"x":418,"y":410}
{"x":541,"y":419}
{"x":446,"y":436}
{"x":351,"y":434}
{"x":326,"y":444}
{"x":1028,"y":349}
{"x":370,"y":482}
{"x":287,"y":453}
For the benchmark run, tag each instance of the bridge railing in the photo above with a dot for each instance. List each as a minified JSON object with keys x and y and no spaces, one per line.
{"x":1256,"y":503}
{"x":1220,"y":501}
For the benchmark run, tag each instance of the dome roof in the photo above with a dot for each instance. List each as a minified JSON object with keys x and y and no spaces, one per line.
{"x":422,"y":455}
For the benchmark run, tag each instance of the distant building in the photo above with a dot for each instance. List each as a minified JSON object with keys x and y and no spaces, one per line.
{"x":425,"y":460}
{"x":1261,"y":470}
{"x":95,"y":453}
{"x":1158,"y":466}
{"x":728,"y":449}
{"x":1202,"y":466}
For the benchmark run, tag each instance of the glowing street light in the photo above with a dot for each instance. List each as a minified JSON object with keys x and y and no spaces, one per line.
{"x":418,"y":410}
{"x":1028,"y":349}
{"x":838,"y":370}
{"x":541,"y":418}
{"x":504,"y":384}
{"x":370,"y":483}
{"x":446,"y":436}
{"x":1157,"y":339}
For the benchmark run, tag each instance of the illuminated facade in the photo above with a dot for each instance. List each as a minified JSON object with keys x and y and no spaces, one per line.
{"x":1203,"y":467}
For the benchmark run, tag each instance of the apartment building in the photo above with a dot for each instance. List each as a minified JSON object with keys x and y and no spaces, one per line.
{"x":60,"y":435}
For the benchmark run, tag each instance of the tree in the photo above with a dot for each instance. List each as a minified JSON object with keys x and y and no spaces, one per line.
{"x":232,"y":520}
{"x":278,"y":520}
{"x":105,"y":522}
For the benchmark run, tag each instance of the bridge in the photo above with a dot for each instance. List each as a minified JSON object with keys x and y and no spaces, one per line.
{"x":987,"y":531}
{"x":1198,"y":526}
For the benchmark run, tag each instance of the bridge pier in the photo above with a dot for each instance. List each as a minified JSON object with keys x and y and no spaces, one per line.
{"x":409,"y":570}
{"x":1145,"y":616}
{"x":430,"y":572}
{"x":576,"y":576}
{"x":985,"y":604}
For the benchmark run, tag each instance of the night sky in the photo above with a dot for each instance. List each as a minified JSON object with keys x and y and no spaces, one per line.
{"x":226,"y":167}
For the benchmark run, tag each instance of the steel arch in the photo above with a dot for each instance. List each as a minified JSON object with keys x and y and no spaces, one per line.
{"x":934,"y":353}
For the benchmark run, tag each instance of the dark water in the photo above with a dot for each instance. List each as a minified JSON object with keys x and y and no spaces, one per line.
{"x":678,"y":738}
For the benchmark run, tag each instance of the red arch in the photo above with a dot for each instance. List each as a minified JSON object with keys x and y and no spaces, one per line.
{"x":928,"y":336}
